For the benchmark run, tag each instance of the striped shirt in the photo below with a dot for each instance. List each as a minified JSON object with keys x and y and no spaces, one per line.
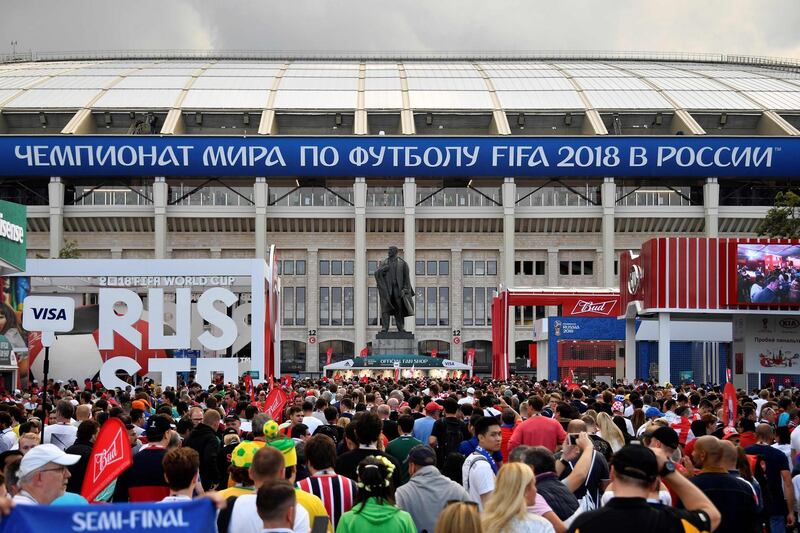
{"x":336,"y":492}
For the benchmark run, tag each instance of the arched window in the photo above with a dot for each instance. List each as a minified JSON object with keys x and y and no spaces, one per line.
{"x":293,"y":357}
{"x":483,"y":355}
{"x":341,"y":350}
{"x":427,"y":347}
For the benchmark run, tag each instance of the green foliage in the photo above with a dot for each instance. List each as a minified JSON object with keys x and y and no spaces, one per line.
{"x":783,"y":220}
{"x":69,"y":250}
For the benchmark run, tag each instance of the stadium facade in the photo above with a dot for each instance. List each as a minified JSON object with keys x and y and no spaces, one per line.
{"x":463,"y":236}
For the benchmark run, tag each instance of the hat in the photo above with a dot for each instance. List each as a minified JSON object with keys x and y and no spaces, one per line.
{"x":653,"y":412}
{"x":231,"y":418}
{"x":139,"y":404}
{"x":617,"y":407}
{"x":783,"y":420}
{"x":470,"y":390}
{"x":729,"y":432}
{"x":433,"y":406}
{"x":157,"y":425}
{"x":619,"y":398}
{"x":666,"y":436}
{"x":242,"y":455}
{"x":422,"y":455}
{"x":638,"y":462}
{"x":285,"y":445}
{"x":271,"y":429}
{"x":39,"y":456}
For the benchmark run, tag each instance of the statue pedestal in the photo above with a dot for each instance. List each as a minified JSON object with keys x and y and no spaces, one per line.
{"x":394,"y":343}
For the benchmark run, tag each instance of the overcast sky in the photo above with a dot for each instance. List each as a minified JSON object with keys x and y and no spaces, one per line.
{"x":756,"y":27}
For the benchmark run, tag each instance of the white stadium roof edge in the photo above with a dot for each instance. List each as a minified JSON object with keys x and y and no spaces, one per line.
{"x":622,"y":82}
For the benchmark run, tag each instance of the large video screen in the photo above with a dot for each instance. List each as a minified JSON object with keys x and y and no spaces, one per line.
{"x":768,"y":274}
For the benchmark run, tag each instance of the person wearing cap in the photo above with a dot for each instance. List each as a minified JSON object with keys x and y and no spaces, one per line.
{"x":424,"y":426}
{"x":43,"y":475}
{"x":469,"y":399}
{"x":203,"y":439}
{"x":233,"y":422}
{"x":428,"y":491}
{"x":733,"y":497}
{"x":144,"y":481}
{"x":634,"y":473}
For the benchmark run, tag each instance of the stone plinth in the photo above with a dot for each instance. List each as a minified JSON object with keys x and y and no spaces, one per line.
{"x":394,"y":343}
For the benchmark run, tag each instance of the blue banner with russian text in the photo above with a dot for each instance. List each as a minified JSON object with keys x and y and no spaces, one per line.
{"x":383,"y":156}
{"x":197,"y":516}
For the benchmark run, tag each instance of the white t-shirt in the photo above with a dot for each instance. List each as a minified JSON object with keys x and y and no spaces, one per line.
{"x":759,"y":404}
{"x":62,"y":435}
{"x":531,"y":524}
{"x":478,"y":478}
{"x":244,"y":517}
{"x":795,"y":484}
{"x":312,"y":422}
{"x":795,"y":440}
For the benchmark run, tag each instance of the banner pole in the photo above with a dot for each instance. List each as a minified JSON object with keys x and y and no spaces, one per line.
{"x":46,"y":368}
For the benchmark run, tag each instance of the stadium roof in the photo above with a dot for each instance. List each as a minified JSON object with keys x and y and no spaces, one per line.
{"x":374,"y":85}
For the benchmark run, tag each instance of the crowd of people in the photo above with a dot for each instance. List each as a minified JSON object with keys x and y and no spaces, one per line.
{"x":423,"y":455}
{"x":763,"y":286}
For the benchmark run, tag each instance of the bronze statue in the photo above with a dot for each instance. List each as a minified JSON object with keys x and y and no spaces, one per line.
{"x":394,"y":288}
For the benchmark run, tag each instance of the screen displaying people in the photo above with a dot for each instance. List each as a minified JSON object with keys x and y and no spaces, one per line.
{"x":768,"y":274}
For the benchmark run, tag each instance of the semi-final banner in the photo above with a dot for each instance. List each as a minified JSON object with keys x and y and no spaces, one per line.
{"x":113,"y":155}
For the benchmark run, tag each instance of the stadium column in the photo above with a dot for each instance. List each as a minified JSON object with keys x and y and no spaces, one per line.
{"x":509,"y":251}
{"x":360,"y":270}
{"x":711,"y":206}
{"x":260,"y":192}
{"x":56,"y":199}
{"x":608,"y":195}
{"x":552,"y":277}
{"x":410,"y":239}
{"x":160,"y":194}
{"x":456,"y":302}
{"x":663,"y":347}
{"x":312,"y":309}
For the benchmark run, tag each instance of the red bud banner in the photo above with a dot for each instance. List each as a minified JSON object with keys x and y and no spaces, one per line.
{"x":328,"y":356}
{"x":111,"y":455}
{"x":729,"y":405}
{"x":274,"y":403}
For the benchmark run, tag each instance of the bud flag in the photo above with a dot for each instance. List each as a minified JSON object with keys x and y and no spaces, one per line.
{"x":111,"y":455}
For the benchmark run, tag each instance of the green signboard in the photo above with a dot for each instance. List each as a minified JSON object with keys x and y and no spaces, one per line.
{"x":13,"y":237}
{"x":406,"y":361}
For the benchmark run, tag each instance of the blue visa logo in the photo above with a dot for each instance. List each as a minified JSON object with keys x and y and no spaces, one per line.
{"x":49,"y":313}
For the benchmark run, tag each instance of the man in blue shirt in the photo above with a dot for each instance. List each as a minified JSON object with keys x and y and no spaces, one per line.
{"x":424,"y":426}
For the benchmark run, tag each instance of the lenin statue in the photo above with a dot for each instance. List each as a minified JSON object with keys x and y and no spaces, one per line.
{"x":394,"y":288}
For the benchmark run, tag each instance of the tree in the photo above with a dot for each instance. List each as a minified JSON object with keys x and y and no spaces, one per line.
{"x":783,"y":220}
{"x":69,"y":250}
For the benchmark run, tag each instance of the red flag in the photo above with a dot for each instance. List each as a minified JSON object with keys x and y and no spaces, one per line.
{"x":274,"y":403}
{"x":364,"y":352}
{"x":286,"y":381}
{"x":248,"y":385}
{"x":111,"y":455}
{"x":434,"y":352}
{"x":729,"y":405}
{"x":270,"y":382}
{"x":471,"y":356}
{"x":397,"y":373}
{"x":328,"y":356}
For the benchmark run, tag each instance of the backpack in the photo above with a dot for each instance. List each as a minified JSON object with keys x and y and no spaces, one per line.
{"x":454,"y":436}
{"x":224,"y":516}
{"x":476,"y":458}
{"x":758,"y":464}
{"x":452,"y":465}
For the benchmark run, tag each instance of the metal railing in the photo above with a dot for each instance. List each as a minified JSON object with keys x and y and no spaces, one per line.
{"x":459,"y":197}
{"x":650,"y":196}
{"x":385,"y":197}
{"x":113,"y":195}
{"x":558,"y":196}
{"x":210,"y":196}
{"x":311,"y":55}
{"x":311,"y":196}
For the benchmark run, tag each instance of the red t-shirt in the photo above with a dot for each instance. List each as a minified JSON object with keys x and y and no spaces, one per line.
{"x":538,"y":431}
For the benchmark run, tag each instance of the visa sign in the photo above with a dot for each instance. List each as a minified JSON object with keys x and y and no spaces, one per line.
{"x":48,"y":315}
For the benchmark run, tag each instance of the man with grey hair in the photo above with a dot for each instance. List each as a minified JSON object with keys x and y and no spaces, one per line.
{"x":43,"y":475}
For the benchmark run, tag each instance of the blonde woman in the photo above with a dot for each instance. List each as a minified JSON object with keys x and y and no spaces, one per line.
{"x":459,"y":517}
{"x":609,"y":432}
{"x":507,"y":508}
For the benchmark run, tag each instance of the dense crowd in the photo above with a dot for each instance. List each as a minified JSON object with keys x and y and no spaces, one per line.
{"x":423,"y":455}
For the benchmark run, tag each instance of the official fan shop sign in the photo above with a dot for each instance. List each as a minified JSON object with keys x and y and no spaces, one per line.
{"x":196,"y":516}
{"x":390,"y":156}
